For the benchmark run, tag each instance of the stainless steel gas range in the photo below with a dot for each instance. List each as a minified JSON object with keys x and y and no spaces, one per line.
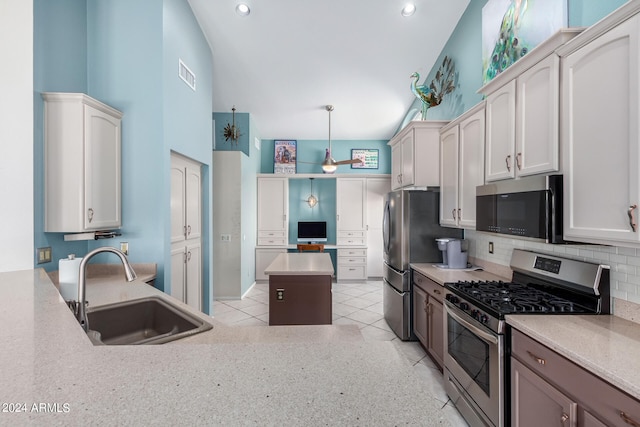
{"x":476,"y":340}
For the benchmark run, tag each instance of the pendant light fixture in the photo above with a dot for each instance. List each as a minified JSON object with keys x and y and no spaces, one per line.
{"x":312,"y":200}
{"x":329,"y":164}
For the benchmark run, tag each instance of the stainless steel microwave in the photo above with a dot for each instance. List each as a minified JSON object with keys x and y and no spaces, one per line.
{"x":527,"y":207}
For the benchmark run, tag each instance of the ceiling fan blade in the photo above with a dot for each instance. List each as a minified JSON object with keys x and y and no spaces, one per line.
{"x":309,"y":163}
{"x":348,"y":162}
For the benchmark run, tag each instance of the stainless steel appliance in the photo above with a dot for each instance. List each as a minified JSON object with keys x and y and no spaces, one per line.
{"x":410,"y":226}
{"x":529,"y":207}
{"x":476,"y":367}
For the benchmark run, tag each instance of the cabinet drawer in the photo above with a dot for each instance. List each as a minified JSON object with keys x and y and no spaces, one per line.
{"x":352,"y":260}
{"x":271,"y":234}
{"x":602,"y":400}
{"x":352,"y":272}
{"x":350,"y":234}
{"x":352,"y":252}
{"x":434,"y":289}
{"x":268,"y":241}
{"x":351,"y":241}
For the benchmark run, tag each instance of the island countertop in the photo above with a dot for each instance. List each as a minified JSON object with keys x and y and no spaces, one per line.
{"x":53,"y":375}
{"x":304,"y":263}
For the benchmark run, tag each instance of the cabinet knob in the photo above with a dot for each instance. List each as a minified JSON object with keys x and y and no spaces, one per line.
{"x":564,"y":418}
{"x":453,"y":213}
{"x":518,"y":158}
{"x":508,"y":162}
{"x":188,"y":230}
{"x":540,"y":360}
{"x":90,"y":214}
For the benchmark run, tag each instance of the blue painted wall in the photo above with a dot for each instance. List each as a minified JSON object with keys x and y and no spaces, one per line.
{"x":311,"y":153}
{"x":59,"y":65}
{"x":325,"y":191}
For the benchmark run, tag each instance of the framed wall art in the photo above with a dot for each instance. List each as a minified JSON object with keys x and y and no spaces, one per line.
{"x":369,"y":157}
{"x":284,"y":159}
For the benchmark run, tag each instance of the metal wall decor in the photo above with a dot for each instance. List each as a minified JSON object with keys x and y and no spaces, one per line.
{"x":231,"y":131}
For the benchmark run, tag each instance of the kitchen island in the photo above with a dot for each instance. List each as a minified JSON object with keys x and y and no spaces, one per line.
{"x":290,"y":375}
{"x":300,"y":289}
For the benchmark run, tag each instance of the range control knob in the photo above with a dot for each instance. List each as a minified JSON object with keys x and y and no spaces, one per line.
{"x":452,"y":298}
{"x":464,"y":306}
{"x":483,"y":318}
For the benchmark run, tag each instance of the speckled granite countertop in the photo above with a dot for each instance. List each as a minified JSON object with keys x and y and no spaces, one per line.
{"x":442,"y":276}
{"x":47,"y":359}
{"x":608,"y":346}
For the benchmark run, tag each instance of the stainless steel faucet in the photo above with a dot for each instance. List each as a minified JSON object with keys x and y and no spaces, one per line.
{"x":81,"y":312}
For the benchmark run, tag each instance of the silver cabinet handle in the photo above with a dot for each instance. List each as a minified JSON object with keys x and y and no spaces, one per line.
{"x":564,"y":418}
{"x":459,"y":210}
{"x":632,"y":220}
{"x":453,"y":213}
{"x":518,"y":157}
{"x":188,"y":230}
{"x":189,"y":256}
{"x":508,"y":162}
{"x":628,"y":419}
{"x":437,"y":291}
{"x":90,"y":214}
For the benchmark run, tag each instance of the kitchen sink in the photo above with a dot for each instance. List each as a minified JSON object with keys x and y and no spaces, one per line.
{"x":150,"y":320}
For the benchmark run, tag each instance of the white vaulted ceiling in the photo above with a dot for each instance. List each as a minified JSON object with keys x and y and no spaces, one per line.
{"x":289,"y":58}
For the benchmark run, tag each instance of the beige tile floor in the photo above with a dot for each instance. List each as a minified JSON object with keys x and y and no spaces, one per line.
{"x":356,"y":303}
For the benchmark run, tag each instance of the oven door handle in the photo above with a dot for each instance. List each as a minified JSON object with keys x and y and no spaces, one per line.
{"x":479,"y":332}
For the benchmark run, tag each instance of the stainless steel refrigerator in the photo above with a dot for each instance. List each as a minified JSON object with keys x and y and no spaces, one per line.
{"x":410,"y":226}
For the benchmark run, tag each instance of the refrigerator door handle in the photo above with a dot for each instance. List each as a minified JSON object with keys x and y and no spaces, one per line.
{"x":385,"y":228}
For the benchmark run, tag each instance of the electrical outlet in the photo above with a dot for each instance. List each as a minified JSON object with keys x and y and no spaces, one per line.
{"x":280,"y":294}
{"x":124,"y":248}
{"x":225,"y":237}
{"x":490,"y":247}
{"x":44,"y":255}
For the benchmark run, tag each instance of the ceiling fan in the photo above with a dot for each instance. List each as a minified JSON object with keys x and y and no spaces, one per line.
{"x":329,"y":165}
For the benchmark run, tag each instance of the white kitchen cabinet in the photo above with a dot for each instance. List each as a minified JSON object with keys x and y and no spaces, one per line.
{"x":415,"y":155}
{"x":273,"y":208}
{"x":82,"y":164}
{"x":600,"y":135}
{"x":461,"y":168}
{"x":522,"y":114}
{"x":264,"y":257}
{"x":352,"y":264}
{"x":351,"y":215}
{"x":186,"y":235}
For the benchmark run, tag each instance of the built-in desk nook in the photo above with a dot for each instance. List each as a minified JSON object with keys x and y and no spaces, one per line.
{"x":300,"y":289}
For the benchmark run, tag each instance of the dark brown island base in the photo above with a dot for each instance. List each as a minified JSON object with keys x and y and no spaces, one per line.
{"x":300,"y":289}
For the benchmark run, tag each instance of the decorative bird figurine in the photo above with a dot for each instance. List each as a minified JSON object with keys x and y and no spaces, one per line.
{"x":423,"y":93}
{"x":442,"y":84}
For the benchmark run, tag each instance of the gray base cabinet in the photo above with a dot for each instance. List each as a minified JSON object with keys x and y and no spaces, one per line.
{"x":547,"y":389}
{"x":428,"y":316}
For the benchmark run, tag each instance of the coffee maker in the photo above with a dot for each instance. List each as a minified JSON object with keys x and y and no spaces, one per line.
{"x":453,"y":256}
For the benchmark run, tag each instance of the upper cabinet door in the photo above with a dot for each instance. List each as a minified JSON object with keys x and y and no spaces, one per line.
{"x":501,"y":133}
{"x":102,"y":170}
{"x":449,"y":177}
{"x":178,"y":197}
{"x":351,"y":204}
{"x":471,"y":166}
{"x":538,"y":118}
{"x":193,"y":203}
{"x":273,"y":204}
{"x":600,"y":137}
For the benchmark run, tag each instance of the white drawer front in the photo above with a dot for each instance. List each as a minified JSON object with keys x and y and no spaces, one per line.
{"x":271,"y":234}
{"x":351,"y":241}
{"x":268,"y":241}
{"x":352,"y":252}
{"x":352,"y":260}
{"x":352,"y":272}
{"x":350,"y":234}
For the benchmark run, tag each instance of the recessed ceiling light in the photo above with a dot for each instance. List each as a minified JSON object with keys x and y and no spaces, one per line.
{"x":242,"y":9}
{"x":408,"y":10}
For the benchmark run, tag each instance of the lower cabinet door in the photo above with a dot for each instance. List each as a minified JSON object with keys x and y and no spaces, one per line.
{"x":193,"y":280}
{"x":178,"y":268}
{"x":435,"y":322}
{"x":535,"y":402}
{"x":420,"y":314}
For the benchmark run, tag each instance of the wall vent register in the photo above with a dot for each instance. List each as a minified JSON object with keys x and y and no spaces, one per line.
{"x":186,"y":75}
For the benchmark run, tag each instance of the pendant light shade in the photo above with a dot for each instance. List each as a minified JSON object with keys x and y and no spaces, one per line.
{"x":312,"y":200}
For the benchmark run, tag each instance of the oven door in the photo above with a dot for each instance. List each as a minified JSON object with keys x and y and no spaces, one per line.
{"x":474,"y":364}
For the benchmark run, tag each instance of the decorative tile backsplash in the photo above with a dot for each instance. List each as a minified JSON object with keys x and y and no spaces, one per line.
{"x":624,"y":262}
